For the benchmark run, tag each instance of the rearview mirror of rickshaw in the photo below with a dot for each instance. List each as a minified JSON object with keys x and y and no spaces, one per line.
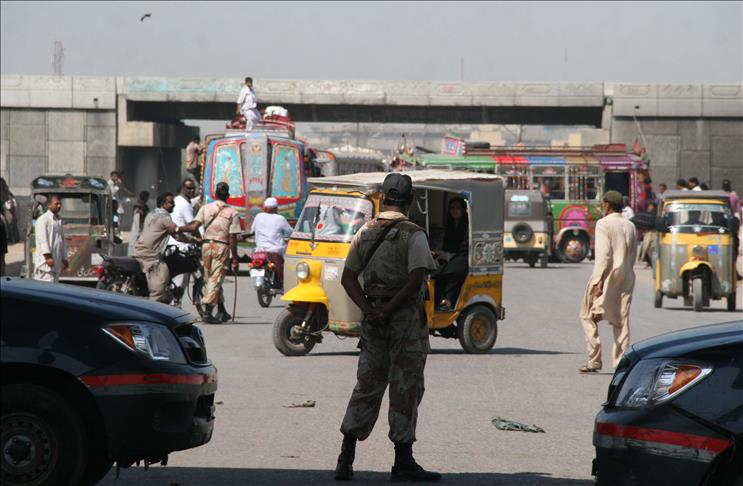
{"x":660,"y":224}
{"x":40,"y":198}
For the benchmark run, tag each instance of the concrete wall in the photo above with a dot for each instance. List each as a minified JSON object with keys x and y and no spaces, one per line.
{"x":710,"y":149}
{"x":55,"y":141}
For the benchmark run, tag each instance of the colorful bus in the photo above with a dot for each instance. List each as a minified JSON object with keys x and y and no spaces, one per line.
{"x":573,"y":178}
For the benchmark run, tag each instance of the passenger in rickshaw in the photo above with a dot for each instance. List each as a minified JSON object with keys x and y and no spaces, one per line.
{"x":452,"y":256}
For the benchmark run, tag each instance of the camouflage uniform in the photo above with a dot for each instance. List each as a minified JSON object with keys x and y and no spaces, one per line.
{"x":220,"y":221}
{"x":395,"y":352}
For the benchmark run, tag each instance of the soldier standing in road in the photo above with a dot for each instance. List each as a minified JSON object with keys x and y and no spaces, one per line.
{"x":609,"y":291}
{"x":393,"y":255}
{"x":51,"y":250}
{"x":221,"y":227}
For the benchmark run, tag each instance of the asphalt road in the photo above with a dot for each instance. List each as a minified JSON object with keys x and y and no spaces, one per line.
{"x":530,"y":376}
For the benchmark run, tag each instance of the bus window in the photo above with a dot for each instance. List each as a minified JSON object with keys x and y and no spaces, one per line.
{"x":584,"y":183}
{"x":516,"y":177}
{"x":550,"y":181}
{"x":286,"y":171}
{"x":227,"y":169}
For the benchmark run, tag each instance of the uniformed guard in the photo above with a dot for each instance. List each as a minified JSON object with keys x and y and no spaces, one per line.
{"x":393,"y":255}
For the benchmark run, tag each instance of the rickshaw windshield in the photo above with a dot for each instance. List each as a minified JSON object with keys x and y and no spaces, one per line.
{"x":697,"y":218}
{"x":519,"y":207}
{"x":78,"y":209}
{"x":332,"y":218}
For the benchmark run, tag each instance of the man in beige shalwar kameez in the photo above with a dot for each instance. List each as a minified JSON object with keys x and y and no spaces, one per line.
{"x":609,"y":291}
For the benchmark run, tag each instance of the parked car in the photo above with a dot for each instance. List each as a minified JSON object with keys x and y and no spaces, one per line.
{"x":91,"y":378}
{"x":674,"y":411}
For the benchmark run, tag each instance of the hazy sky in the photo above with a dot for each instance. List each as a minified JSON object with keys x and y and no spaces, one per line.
{"x":664,"y":42}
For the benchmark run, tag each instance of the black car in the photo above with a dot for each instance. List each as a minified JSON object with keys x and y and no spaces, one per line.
{"x":674,"y":413}
{"x":90,"y":378}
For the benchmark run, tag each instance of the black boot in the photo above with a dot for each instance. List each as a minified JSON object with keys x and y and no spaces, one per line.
{"x":406,"y":470}
{"x":222,"y":313}
{"x":207,"y":317}
{"x":344,"y":469}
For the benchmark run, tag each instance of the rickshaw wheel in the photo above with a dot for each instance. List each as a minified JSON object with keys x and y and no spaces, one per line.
{"x":697,"y":286}
{"x":543,"y":259}
{"x":282,"y":328}
{"x":531,"y":259}
{"x":731,"y":301}
{"x":658,"y":299}
{"x":574,"y":249}
{"x":477,"y":329}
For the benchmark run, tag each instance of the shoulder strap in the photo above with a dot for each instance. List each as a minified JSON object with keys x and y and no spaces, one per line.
{"x":206,"y":226}
{"x":378,"y":242}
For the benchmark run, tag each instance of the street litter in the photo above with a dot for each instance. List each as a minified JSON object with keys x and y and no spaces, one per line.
{"x":505,"y":424}
{"x":305,"y":404}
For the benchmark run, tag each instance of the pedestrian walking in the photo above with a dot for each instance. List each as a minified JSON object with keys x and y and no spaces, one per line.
{"x":609,"y":291}
{"x":116,"y":184}
{"x":393,"y":255}
{"x":247,"y":105}
{"x":221,"y":227}
{"x":627,"y":211}
{"x":51,"y":250}
{"x":193,"y":158}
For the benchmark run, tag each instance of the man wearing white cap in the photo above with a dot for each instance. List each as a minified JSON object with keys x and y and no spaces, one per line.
{"x":270,"y":229}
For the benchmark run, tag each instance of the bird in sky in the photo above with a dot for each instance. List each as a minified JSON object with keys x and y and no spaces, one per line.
{"x":145,"y":16}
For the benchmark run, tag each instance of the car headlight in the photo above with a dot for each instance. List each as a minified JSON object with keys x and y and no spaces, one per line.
{"x":654,"y":381}
{"x":303,"y":271}
{"x":155,"y":341}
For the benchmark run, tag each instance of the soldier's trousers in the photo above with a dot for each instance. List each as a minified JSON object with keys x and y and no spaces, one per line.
{"x":394,"y":354}
{"x":216,"y":259}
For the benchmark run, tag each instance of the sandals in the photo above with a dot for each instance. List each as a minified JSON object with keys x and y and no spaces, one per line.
{"x":586,"y":369}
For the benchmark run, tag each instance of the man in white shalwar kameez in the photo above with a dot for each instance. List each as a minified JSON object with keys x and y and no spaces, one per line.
{"x":247,"y":105}
{"x":51,"y":251}
{"x":609,"y":291}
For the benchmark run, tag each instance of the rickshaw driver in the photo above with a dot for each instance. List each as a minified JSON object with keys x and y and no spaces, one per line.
{"x":393,"y":255}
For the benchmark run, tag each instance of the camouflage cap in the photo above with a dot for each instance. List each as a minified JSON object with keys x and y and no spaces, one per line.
{"x":614,"y":198}
{"x":397,"y":187}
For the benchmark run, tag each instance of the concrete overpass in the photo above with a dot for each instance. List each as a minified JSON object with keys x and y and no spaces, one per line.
{"x":94,"y":124}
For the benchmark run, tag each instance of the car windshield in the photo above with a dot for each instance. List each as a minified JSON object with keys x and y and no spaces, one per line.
{"x":333,"y":218}
{"x":519,"y":208}
{"x":697,"y":218}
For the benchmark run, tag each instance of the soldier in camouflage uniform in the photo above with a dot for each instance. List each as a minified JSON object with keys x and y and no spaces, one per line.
{"x":394,"y":334}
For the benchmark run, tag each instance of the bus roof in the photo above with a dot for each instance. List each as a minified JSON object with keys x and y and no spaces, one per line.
{"x":432,"y":178}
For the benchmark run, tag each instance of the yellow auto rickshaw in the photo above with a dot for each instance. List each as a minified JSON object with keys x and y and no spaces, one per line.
{"x":337,"y":207}
{"x":696,"y":248}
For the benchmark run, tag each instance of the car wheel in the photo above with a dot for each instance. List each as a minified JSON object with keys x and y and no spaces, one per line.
{"x":731,"y":301}
{"x":574,"y":248}
{"x":478,"y":329}
{"x":658,"y":299}
{"x":697,"y":286}
{"x":282,"y":335}
{"x":43,"y":439}
{"x":543,"y":260}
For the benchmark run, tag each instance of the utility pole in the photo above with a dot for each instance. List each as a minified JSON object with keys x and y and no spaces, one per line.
{"x":58,"y":58}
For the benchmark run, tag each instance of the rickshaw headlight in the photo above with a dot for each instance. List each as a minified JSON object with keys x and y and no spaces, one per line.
{"x":303,"y":271}
{"x":697,"y":251}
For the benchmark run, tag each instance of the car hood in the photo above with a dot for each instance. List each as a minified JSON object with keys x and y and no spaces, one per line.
{"x":109,"y":306}
{"x":680,"y":343}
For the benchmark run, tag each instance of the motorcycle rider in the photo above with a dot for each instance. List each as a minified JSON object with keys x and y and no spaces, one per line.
{"x":271,"y":229}
{"x":182,"y":215}
{"x":148,"y":249}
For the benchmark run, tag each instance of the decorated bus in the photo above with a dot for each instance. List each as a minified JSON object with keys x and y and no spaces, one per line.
{"x":573,"y":178}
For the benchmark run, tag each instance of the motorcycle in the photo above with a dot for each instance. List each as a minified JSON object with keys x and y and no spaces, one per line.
{"x":125,"y":275}
{"x":267,"y":281}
